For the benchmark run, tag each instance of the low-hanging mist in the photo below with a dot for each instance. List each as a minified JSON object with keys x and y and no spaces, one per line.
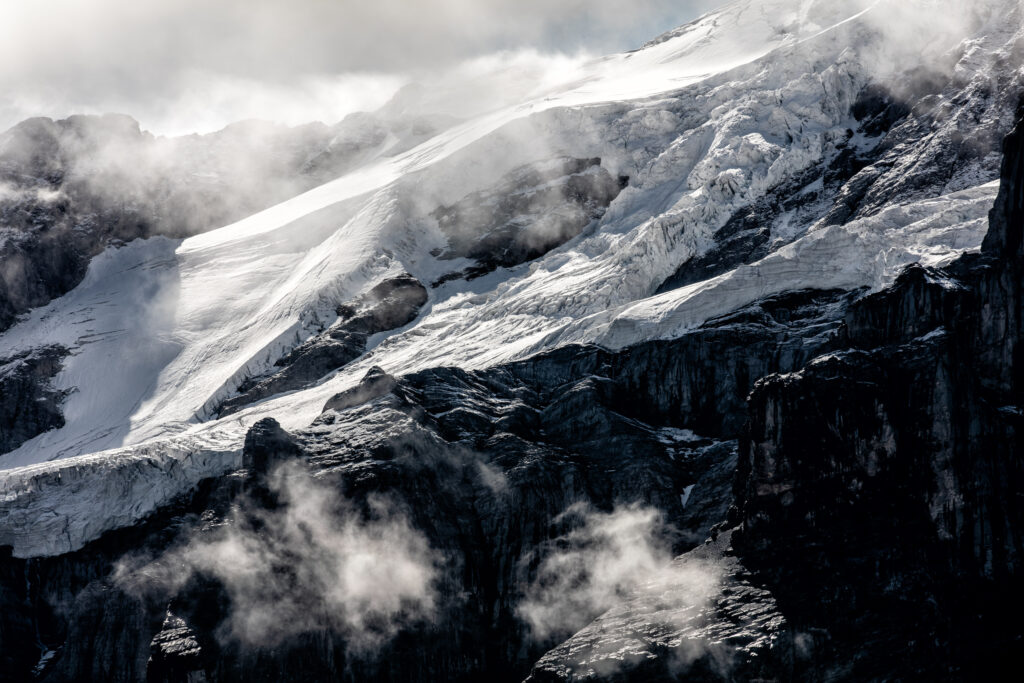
{"x":603,"y":558}
{"x":313,"y":560}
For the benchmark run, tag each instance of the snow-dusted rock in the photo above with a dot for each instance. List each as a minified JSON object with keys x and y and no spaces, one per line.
{"x":57,"y":507}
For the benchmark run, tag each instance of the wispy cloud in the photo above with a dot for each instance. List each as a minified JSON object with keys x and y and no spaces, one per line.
{"x":601,"y":560}
{"x":315,"y":561}
{"x":195,"y":65}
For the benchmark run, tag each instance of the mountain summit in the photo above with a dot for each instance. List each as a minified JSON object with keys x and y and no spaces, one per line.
{"x":700,"y":364}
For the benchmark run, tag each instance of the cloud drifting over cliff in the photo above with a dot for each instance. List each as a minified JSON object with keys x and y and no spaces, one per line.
{"x":598,"y":563}
{"x":313,"y":561}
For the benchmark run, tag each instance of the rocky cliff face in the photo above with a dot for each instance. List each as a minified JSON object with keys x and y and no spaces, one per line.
{"x":29,"y":404}
{"x":486,"y":463}
{"x":876,"y":499}
{"x":898,"y":460}
{"x":849,"y":491}
{"x":542,"y":421}
{"x":876,"y":493}
{"x":877,"y":471}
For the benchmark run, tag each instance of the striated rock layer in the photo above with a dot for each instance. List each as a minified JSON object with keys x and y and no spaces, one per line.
{"x":897,"y":464}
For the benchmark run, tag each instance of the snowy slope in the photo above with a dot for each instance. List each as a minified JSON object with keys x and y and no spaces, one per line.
{"x":704,"y":121}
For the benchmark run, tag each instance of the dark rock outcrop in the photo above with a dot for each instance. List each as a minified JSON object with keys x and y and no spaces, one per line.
{"x":392,"y":304}
{"x":533,"y":210}
{"x":877,"y":504}
{"x":267,"y":444}
{"x":71,"y":618}
{"x":375,"y":383}
{"x":29,"y":405}
{"x":175,"y":654}
{"x":688,"y":626}
{"x":895,"y":468}
{"x":483,"y":463}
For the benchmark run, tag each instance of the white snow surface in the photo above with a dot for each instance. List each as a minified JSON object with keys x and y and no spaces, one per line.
{"x":704,"y":120}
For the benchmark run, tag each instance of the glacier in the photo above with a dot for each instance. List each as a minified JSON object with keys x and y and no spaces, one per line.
{"x":704,"y":121}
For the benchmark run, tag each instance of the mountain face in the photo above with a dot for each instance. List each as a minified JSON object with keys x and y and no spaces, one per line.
{"x":71,"y":188}
{"x":704,"y":365}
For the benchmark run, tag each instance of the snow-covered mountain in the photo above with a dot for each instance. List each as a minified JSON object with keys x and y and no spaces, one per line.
{"x":701,"y":129}
{"x":600,"y":273}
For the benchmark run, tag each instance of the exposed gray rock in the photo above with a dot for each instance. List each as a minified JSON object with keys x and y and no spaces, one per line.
{"x":375,"y":383}
{"x":175,"y":654}
{"x":706,"y":619}
{"x":894,"y":467}
{"x":533,"y":210}
{"x":484,"y":463}
{"x":877,"y":494}
{"x":29,"y":405}
{"x":393,"y":303}
{"x":267,"y":444}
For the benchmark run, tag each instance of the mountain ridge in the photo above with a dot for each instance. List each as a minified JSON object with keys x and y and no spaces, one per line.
{"x":733,"y":234}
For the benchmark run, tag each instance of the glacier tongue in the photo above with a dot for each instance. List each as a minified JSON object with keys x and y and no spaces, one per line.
{"x":52,"y":509}
{"x":753,"y":103}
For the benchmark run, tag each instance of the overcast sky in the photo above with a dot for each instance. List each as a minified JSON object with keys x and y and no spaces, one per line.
{"x":183,"y":65}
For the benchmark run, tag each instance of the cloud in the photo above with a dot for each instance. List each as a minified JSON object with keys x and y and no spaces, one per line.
{"x":192,"y":64}
{"x":620,"y":562}
{"x":603,"y":559}
{"x":923,"y":31}
{"x":315,"y":561}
